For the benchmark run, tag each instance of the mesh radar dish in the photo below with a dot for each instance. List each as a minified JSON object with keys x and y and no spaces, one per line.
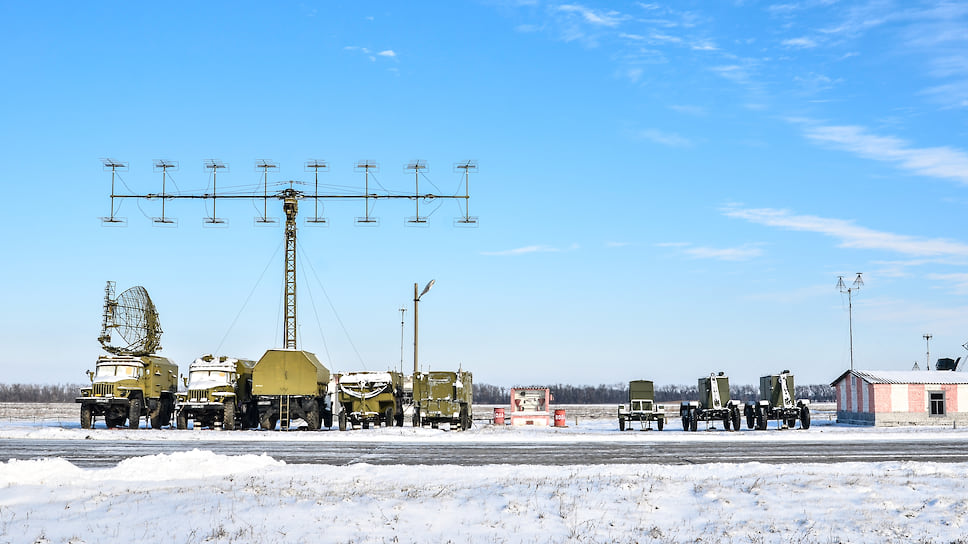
{"x":134,"y":318}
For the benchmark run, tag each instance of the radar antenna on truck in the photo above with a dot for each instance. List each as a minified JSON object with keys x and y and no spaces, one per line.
{"x":134,"y":317}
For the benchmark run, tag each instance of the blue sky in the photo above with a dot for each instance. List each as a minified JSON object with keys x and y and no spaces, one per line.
{"x":665,"y":189}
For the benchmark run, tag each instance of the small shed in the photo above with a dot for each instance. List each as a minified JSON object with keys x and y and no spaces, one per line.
{"x":531,"y":406}
{"x":888,"y":398}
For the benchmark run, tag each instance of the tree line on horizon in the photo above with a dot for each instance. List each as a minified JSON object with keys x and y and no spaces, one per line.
{"x":619,"y":393}
{"x":483,"y":393}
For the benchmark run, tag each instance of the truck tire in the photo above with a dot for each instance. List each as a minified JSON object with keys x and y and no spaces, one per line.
{"x":342,"y":421}
{"x":465,"y":419}
{"x":312,"y":417}
{"x":659,"y":423}
{"x":750,"y":418}
{"x":87,"y":416}
{"x":805,"y":417}
{"x":388,"y":417}
{"x":685,"y":421}
{"x":398,"y":419}
{"x":228,"y":416}
{"x":761,"y":420}
{"x":416,"y":417}
{"x":366,"y":423}
{"x":736,"y":419}
{"x":621,"y":423}
{"x":327,"y":418}
{"x":157,"y":416}
{"x":134,"y":413}
{"x":181,"y":420}
{"x":791,"y":423}
{"x":726,"y":421}
{"x":694,"y":421}
{"x":113,"y":421}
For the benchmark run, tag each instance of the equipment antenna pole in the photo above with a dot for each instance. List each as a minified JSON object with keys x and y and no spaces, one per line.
{"x":290,"y":206}
{"x":402,"y":311}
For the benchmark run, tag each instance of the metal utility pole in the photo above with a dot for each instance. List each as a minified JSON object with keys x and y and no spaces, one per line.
{"x":290,"y":198}
{"x":858,"y":283}
{"x":402,"y":311}
{"x":416,"y":301}
{"x":927,"y":352}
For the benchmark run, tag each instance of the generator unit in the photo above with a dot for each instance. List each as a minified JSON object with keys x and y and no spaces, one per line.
{"x":714,"y":404}
{"x":443,"y":397}
{"x":777,"y":403}
{"x":641,"y":407}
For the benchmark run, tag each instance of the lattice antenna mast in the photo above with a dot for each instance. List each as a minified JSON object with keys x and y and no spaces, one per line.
{"x":110,"y":304}
{"x":291,"y":206}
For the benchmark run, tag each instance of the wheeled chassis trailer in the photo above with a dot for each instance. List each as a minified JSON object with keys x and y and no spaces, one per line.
{"x":692,"y":413}
{"x":758,"y":415}
{"x":645,"y":419}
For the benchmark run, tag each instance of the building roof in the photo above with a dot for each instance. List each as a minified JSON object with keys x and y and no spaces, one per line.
{"x":936,"y":377}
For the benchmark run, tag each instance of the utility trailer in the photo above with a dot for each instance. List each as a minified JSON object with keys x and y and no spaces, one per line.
{"x":641,"y":407}
{"x":777,"y":402}
{"x":714,"y":404}
{"x":369,"y":397}
{"x":443,"y":397}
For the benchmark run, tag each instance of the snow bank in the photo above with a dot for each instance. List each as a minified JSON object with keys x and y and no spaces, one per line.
{"x":203,"y":497}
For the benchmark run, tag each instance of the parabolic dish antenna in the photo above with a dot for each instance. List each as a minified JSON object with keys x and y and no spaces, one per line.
{"x":135,"y":320}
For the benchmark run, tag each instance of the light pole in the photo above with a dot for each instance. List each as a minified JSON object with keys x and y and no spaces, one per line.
{"x":416,"y":301}
{"x":858,"y":283}
{"x":927,"y":353}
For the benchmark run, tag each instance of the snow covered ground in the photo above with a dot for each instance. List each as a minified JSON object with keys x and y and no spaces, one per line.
{"x":198,"y":496}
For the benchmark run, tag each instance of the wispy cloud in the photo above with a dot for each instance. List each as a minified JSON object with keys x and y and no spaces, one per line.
{"x":849,"y":234}
{"x":598,"y":18}
{"x":939,"y":162}
{"x":529,"y":249}
{"x":800,"y":43}
{"x":388,"y":53}
{"x":744,"y":252}
{"x":958,"y":281}
{"x":698,"y":111}
{"x":670,"y":139}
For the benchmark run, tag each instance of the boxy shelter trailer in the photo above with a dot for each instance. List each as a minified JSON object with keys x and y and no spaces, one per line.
{"x":641,"y":407}
{"x":531,"y":406}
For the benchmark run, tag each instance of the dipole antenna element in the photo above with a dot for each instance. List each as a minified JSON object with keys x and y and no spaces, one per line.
{"x":842,"y":287}
{"x":214,"y":165}
{"x":417,"y":167}
{"x":315,"y":165}
{"x":265,"y":166}
{"x":115,"y":167}
{"x":163,"y":166}
{"x":465,"y":168}
{"x":367,"y":166}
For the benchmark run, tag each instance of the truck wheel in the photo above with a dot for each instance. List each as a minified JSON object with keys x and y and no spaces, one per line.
{"x":157,"y":416}
{"x":342,"y":421}
{"x":388,"y":417}
{"x":134,"y":413}
{"x":750,"y":418}
{"x":792,"y":422}
{"x":694,"y":421}
{"x":660,"y":423}
{"x":366,"y":424}
{"x":621,"y":423}
{"x":726,"y":421}
{"x":398,"y":419}
{"x":268,"y":422}
{"x":113,"y":421}
{"x":228,"y":416}
{"x":805,"y":417}
{"x":761,"y":420}
{"x":87,"y":416}
{"x":465,"y":419}
{"x":312,"y":417}
{"x":685,"y":421}
{"x":736,"y":419}
{"x":328,"y":418}
{"x":181,"y":420}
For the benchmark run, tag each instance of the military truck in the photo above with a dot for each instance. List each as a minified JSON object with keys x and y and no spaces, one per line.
{"x":125,"y":387}
{"x":289,"y":385}
{"x":369,"y":397}
{"x":641,"y":407}
{"x":777,"y":402}
{"x":132,"y":382}
{"x":714,"y":404}
{"x":219,"y":394}
{"x":443,"y":397}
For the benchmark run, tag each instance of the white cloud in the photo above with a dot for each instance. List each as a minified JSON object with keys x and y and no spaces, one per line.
{"x":670,"y":139}
{"x":698,"y":111}
{"x":528,"y":249}
{"x":598,"y":18}
{"x":851,"y":235}
{"x":387,"y":53}
{"x":800,"y":43}
{"x":939,"y":162}
{"x":742,"y":253}
{"x":959,"y":281}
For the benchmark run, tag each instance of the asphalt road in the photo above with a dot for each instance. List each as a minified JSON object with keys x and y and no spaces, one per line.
{"x":98,"y":453}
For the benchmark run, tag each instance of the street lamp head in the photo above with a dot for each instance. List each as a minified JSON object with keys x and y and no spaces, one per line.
{"x":427,"y":288}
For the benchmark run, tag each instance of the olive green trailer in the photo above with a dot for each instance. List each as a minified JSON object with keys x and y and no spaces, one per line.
{"x":641,"y":407}
{"x":714,"y":404}
{"x":289,"y":385}
{"x":777,"y":403}
{"x":219,"y":394}
{"x":369,"y":397}
{"x":126,"y":387}
{"x":443,"y":397}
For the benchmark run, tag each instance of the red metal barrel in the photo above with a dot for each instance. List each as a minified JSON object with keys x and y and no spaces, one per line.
{"x":560,"y":418}
{"x":499,"y":416}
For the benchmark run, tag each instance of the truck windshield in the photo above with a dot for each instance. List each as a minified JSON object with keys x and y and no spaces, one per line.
{"x":117,"y":372}
{"x":199,"y":379}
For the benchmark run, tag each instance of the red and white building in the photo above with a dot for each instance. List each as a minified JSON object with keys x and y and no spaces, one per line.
{"x":887,"y":398}
{"x":531,"y":406}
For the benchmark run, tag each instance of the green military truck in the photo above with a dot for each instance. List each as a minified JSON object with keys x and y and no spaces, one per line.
{"x":777,"y":402}
{"x":714,"y":404}
{"x":219,"y":394}
{"x":443,"y":397}
{"x":291,"y":384}
{"x":125,"y":387}
{"x":641,"y":407}
{"x":369,"y":397}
